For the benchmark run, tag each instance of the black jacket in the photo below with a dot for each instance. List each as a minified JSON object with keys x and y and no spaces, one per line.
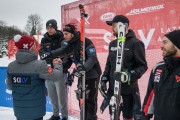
{"x":49,"y":43}
{"x":163,"y":94}
{"x":92,"y":66}
{"x":133,"y":59}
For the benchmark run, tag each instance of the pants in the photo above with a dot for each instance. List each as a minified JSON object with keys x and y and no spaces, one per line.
{"x":58,"y":97}
{"x":91,"y":99}
{"x":41,"y":118}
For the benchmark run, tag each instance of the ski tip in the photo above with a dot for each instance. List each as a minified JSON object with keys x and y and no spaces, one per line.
{"x":80,"y":6}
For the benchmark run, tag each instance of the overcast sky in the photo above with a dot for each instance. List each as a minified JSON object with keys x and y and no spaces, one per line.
{"x":16,"y":12}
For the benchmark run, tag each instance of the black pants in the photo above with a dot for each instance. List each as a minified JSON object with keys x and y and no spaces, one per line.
{"x":131,"y":106}
{"x":41,"y":118}
{"x":91,"y":99}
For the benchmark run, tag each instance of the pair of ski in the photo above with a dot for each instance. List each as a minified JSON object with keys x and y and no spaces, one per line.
{"x":115,"y":101}
{"x":119,"y":76}
{"x":81,"y":91}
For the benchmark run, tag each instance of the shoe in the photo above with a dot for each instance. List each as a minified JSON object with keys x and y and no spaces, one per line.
{"x":54,"y":118}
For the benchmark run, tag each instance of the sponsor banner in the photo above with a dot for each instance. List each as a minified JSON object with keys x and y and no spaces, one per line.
{"x":150,"y":19}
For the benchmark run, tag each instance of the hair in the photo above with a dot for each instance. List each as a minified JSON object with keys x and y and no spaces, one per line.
{"x":70,"y":28}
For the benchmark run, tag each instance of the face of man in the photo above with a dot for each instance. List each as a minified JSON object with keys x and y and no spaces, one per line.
{"x":67,"y":35}
{"x":168,"y":48}
{"x":115,"y":29}
{"x":51,"y":30}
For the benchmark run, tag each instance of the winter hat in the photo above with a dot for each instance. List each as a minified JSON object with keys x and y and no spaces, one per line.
{"x":69,"y":28}
{"x":51,"y":23}
{"x":174,"y":37}
{"x":23,"y":42}
{"x":119,"y":18}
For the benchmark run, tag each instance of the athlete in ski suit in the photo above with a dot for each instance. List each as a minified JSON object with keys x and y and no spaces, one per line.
{"x":163,"y":93}
{"x":134,"y":65}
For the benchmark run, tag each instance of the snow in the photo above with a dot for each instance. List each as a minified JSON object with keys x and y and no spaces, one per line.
{"x":8,"y":114}
{"x":5,"y":61}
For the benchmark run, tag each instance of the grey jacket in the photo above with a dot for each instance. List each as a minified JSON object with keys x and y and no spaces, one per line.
{"x":26,"y":77}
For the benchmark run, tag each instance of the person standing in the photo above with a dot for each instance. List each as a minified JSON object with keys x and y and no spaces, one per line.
{"x":71,"y":48}
{"x":56,"y":89}
{"x":134,"y":66}
{"x":163,"y":93}
{"x":26,"y":78}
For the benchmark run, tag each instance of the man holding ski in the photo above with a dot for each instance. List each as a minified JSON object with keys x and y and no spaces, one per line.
{"x":134,"y":65}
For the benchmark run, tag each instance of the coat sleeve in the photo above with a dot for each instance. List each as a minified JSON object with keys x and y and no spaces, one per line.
{"x":91,"y":57}
{"x":108,"y":65}
{"x":140,"y":60}
{"x":148,"y":104}
{"x":42,"y":49}
{"x":48,"y":73}
{"x":8,"y":80}
{"x":60,"y":51}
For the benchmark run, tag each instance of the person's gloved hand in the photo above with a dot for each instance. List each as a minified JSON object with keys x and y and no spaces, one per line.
{"x":80,"y":71}
{"x":102,"y":86}
{"x":125,"y":76}
{"x":46,"y":55}
{"x":70,"y":79}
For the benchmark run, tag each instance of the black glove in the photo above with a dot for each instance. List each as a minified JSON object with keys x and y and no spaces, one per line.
{"x":102,"y":86}
{"x":46,"y":55}
{"x":80,"y":71}
{"x":70,"y":79}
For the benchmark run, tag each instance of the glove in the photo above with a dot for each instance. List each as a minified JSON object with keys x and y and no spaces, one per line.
{"x":80,"y":71}
{"x":70,"y":79}
{"x":103,"y":87}
{"x":46,"y":55}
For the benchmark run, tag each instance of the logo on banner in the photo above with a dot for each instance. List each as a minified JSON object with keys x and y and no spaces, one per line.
{"x":146,"y":9}
{"x":107,"y":16}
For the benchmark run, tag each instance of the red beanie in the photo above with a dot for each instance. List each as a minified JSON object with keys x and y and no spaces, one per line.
{"x":23,"y":42}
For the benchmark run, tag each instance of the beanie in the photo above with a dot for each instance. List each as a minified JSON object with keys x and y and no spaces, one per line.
{"x":69,"y":28}
{"x":174,"y":37}
{"x":119,"y":18}
{"x":51,"y":23}
{"x":23,"y":42}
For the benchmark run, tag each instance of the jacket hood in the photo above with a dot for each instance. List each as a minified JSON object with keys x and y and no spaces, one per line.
{"x":25,"y":56}
{"x":130,"y":34}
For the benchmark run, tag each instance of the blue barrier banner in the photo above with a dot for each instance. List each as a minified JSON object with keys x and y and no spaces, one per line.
{"x":6,"y":94}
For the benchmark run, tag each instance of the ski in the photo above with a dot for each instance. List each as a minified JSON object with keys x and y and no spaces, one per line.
{"x":82,"y":81}
{"x":115,"y":100}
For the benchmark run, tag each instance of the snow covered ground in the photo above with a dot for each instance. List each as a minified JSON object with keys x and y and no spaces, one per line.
{"x":8,"y":114}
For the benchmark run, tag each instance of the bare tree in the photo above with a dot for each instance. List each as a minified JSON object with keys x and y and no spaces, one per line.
{"x":3,"y":23}
{"x":34,"y":24}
